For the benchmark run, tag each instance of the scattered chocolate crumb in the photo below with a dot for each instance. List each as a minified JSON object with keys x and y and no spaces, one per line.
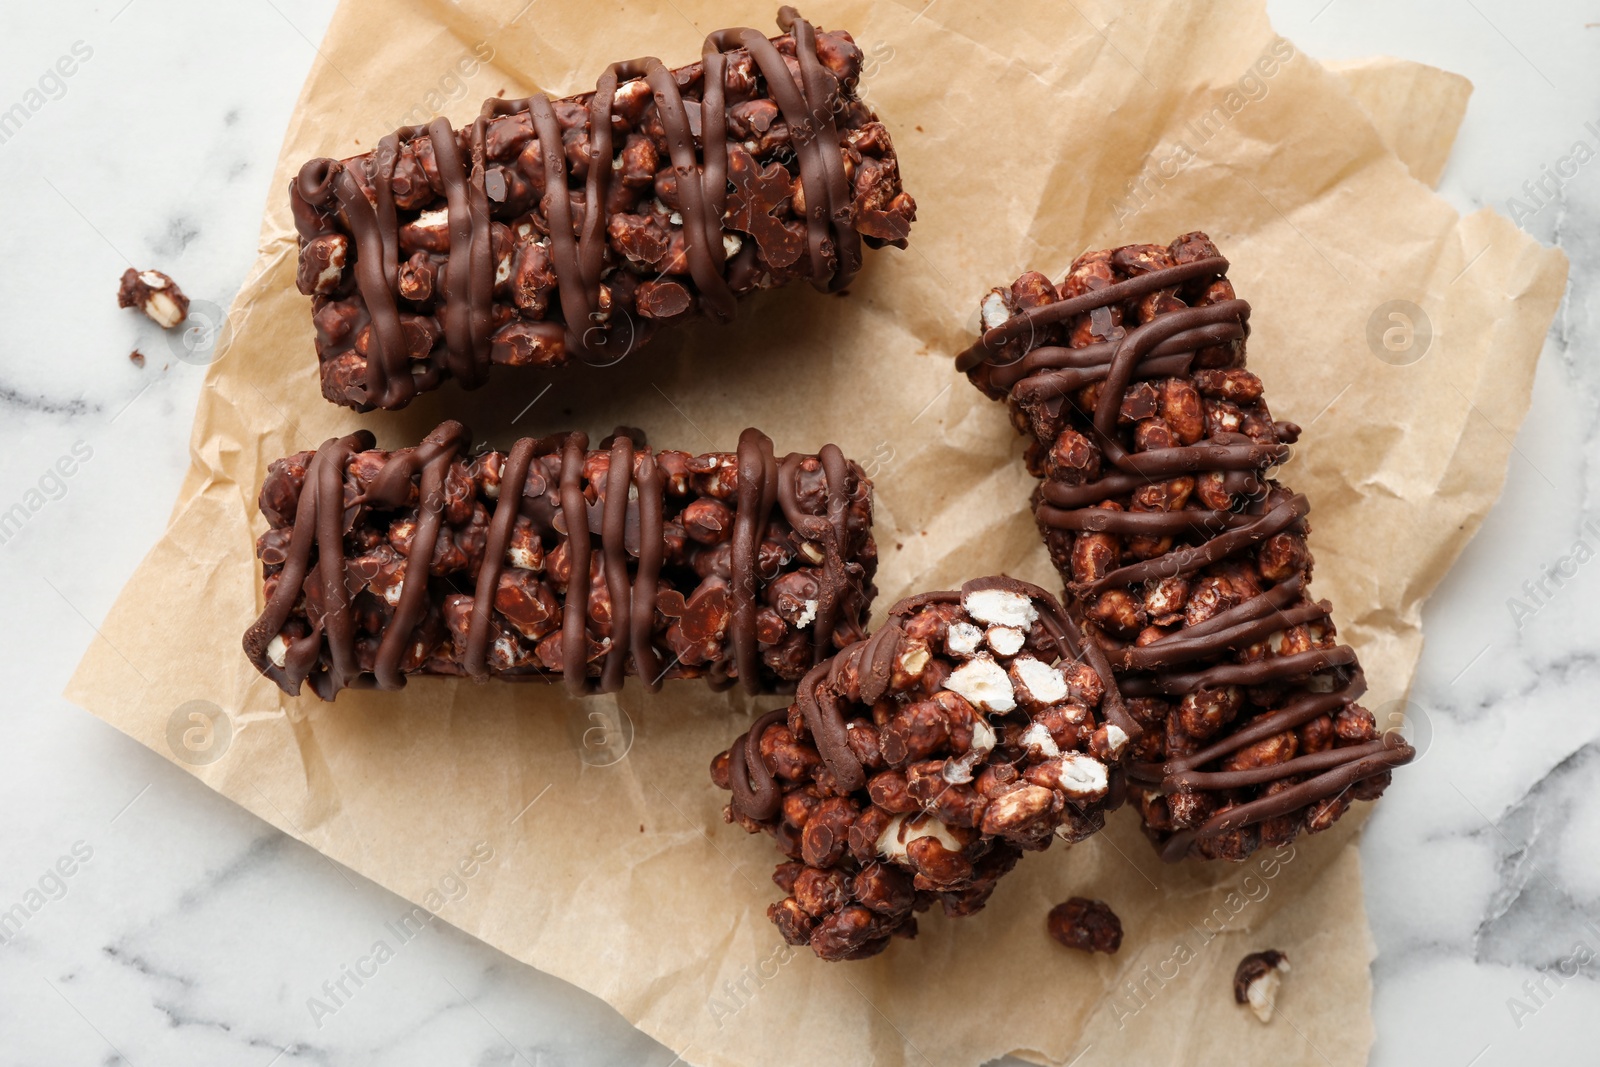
{"x":1086,"y":924}
{"x":155,"y":294}
{"x":1256,"y":981}
{"x":136,"y":357}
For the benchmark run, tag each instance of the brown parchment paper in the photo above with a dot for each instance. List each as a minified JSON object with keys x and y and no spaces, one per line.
{"x":1028,"y":133}
{"x":1411,"y":104}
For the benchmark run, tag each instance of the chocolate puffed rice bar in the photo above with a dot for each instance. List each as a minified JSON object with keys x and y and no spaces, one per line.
{"x":738,"y":567}
{"x":553,"y":230}
{"x":916,"y":766}
{"x":1188,"y":562}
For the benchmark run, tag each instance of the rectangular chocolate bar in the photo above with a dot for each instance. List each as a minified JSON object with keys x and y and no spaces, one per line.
{"x":549,"y":231}
{"x":1153,"y":445}
{"x":552,"y":562}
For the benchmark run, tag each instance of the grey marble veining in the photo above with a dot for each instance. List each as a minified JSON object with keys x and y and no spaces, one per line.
{"x":187,"y":932}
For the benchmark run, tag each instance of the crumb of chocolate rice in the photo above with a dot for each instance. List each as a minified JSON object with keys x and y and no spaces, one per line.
{"x":1089,"y":925}
{"x":154,"y":293}
{"x":1256,"y":981}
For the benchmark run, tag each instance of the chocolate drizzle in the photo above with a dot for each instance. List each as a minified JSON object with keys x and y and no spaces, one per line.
{"x":706,"y":168}
{"x":627,"y":518}
{"x":1322,"y":681}
{"x":860,"y":674}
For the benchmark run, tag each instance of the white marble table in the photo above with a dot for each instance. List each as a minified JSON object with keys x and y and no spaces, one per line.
{"x":188,"y":932}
